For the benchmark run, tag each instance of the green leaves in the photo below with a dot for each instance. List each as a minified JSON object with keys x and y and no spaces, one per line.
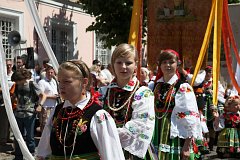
{"x":113,"y":18}
{"x":233,"y":1}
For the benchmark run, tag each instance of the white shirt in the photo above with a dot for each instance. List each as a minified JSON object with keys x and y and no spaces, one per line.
{"x":104,"y":134}
{"x":49,"y":87}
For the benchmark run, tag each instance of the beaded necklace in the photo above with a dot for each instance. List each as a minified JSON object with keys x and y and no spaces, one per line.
{"x":166,"y":98}
{"x":113,"y":108}
{"x":64,"y":115}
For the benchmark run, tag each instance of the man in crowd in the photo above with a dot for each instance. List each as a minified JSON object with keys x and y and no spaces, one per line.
{"x":49,"y":86}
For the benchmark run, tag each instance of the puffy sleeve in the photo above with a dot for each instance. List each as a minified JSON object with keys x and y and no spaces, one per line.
{"x":185,"y":118}
{"x":44,"y":148}
{"x":199,"y":79}
{"x":105,"y":136}
{"x":136,"y":134}
{"x":221,"y":93}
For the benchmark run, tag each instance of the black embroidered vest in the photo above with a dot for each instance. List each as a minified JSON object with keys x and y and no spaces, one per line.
{"x":117,"y":98}
{"x":84,"y":143}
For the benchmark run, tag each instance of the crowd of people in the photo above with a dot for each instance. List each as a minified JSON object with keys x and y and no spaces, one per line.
{"x":113,"y":113}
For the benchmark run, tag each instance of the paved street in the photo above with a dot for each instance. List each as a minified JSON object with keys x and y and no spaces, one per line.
{"x":5,"y":153}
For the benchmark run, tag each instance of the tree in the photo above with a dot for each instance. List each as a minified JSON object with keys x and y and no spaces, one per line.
{"x":233,"y":1}
{"x":113,"y":18}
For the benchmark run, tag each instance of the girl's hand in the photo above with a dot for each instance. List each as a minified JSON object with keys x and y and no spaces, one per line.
{"x":185,"y":152}
{"x":186,"y":149}
{"x":40,"y":158}
{"x":215,"y":114}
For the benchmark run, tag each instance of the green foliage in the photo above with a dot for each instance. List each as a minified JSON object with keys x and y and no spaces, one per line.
{"x":113,"y":19}
{"x":233,"y":1}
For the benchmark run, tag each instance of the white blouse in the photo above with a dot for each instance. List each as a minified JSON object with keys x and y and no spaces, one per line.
{"x":104,"y":134}
{"x":185,"y":118}
{"x":136,"y":134}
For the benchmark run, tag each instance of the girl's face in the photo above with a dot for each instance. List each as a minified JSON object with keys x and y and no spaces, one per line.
{"x":208,"y":75}
{"x":125,"y":67}
{"x":169,"y":67}
{"x":233,"y":105}
{"x":70,"y":86}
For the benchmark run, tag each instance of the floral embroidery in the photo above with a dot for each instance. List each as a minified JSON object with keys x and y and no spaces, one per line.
{"x":143,"y":116}
{"x":102,"y":117}
{"x":135,"y":131}
{"x":131,"y":83}
{"x":187,"y":113}
{"x":132,"y":130}
{"x":184,"y":89}
{"x":143,"y":136}
{"x":145,"y":93}
{"x":81,"y":127}
{"x":137,"y":97}
{"x":234,"y":119}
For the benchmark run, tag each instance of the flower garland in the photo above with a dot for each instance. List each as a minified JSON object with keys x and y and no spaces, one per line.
{"x":166,"y":99}
{"x":125,"y":103}
{"x":234,"y":119}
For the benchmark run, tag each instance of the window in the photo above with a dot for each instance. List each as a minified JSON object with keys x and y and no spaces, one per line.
{"x":6,"y":25}
{"x":102,"y":54}
{"x":10,"y":20}
{"x":62,"y":39}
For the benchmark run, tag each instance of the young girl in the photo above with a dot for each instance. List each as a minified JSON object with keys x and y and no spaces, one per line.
{"x":229,"y":125}
{"x":131,"y":106}
{"x":79,"y":128}
{"x":177,"y":124}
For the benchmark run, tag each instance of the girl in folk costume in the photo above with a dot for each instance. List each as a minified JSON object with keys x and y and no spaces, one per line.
{"x":207,"y":110}
{"x":229,"y":124}
{"x":187,"y":75}
{"x":177,"y":124}
{"x":79,"y":128}
{"x":131,"y":106}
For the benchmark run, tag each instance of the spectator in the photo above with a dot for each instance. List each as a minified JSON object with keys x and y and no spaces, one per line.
{"x":98,"y":79}
{"x":36,"y":72}
{"x":107,"y":73}
{"x":4,"y":123}
{"x":144,"y":76}
{"x":26,"y":94}
{"x":44,"y":66}
{"x":49,"y":86}
{"x":19,"y":63}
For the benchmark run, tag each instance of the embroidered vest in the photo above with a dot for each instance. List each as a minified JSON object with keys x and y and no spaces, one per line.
{"x":84,"y":143}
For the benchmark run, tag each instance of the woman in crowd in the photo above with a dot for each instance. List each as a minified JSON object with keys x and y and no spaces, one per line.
{"x":78,"y":128}
{"x":144,"y":76}
{"x":177,"y":124}
{"x":26,"y":94}
{"x":131,"y":106}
